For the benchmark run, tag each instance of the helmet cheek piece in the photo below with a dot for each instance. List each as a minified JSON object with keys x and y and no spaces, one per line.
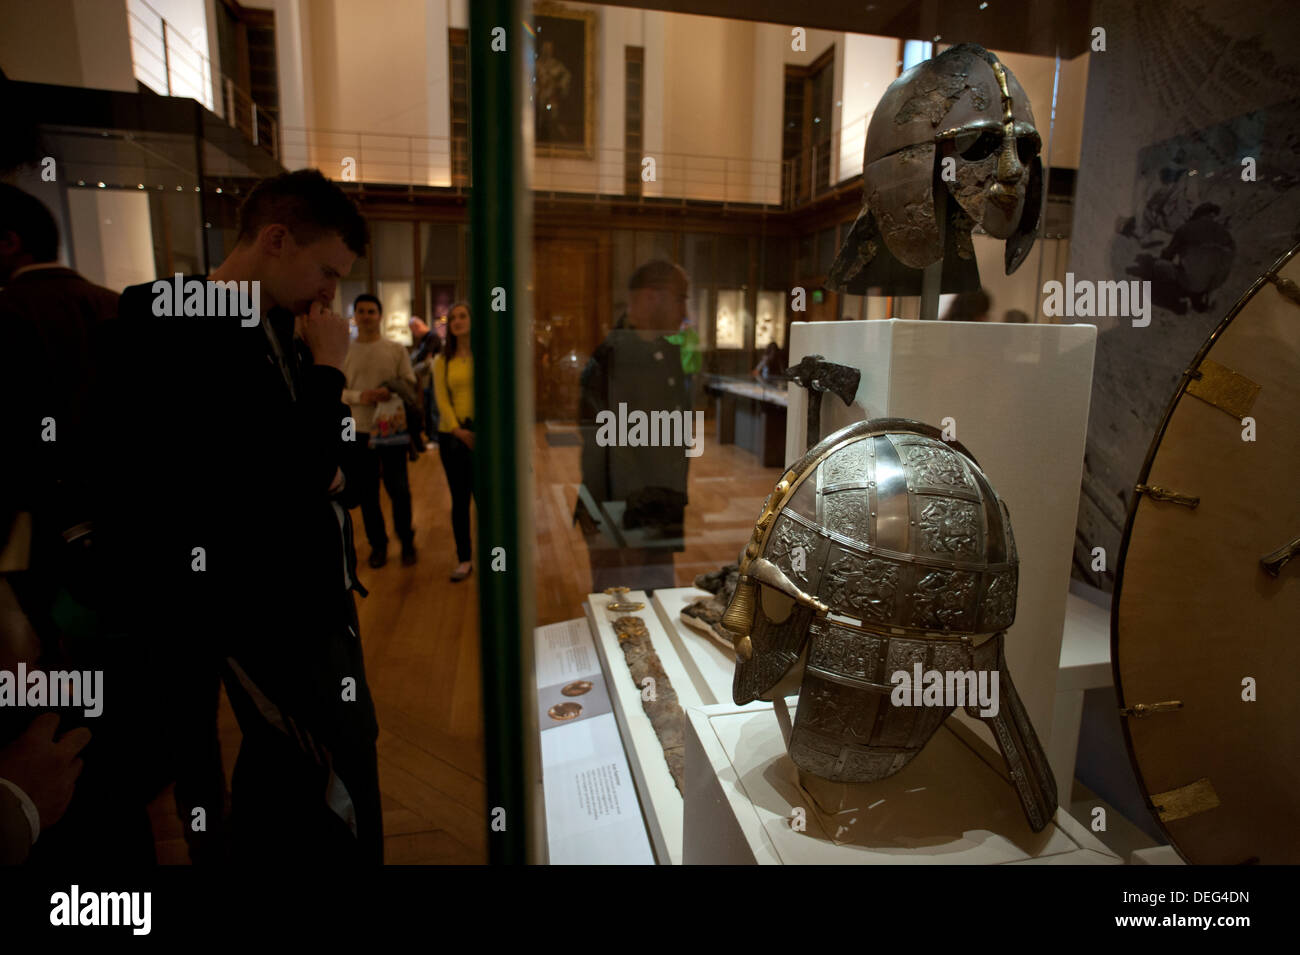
{"x":766,"y":589}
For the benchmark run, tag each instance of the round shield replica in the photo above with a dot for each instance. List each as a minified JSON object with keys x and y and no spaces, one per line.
{"x":952,"y":144}
{"x":883,"y":549}
{"x":1205,"y":622}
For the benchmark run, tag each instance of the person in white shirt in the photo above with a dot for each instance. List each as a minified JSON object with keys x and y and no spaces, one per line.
{"x":373,"y":360}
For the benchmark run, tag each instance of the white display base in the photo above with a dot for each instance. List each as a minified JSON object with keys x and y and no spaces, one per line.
{"x":948,"y":806}
{"x":593,"y":815}
{"x":1018,"y":397}
{"x":1085,"y":665}
{"x":660,"y":801}
{"x":711,"y":668}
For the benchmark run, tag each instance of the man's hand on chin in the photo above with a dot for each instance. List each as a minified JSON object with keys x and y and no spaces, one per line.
{"x":326,"y":334}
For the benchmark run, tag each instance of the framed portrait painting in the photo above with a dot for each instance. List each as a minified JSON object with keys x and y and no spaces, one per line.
{"x":564,"y":72}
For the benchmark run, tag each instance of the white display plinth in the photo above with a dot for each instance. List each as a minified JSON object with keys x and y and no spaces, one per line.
{"x":711,"y":667}
{"x":1156,"y":855}
{"x":660,"y":800}
{"x":948,"y":806}
{"x":1085,"y":665}
{"x":1018,"y":398}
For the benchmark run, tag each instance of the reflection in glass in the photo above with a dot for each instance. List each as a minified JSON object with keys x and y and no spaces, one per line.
{"x":731,"y":318}
{"x":770,"y":325}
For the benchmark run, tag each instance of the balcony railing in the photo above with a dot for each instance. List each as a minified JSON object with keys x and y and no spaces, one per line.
{"x":443,"y":162}
{"x":167,"y":63}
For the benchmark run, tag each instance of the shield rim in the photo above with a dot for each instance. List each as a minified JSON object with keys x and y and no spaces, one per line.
{"x":1246,"y":298}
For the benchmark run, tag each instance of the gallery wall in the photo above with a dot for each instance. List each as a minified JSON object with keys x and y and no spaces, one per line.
{"x":67,"y":43}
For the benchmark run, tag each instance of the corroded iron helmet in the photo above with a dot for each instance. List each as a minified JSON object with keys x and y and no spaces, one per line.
{"x":965,"y":106}
{"x":882,"y":548}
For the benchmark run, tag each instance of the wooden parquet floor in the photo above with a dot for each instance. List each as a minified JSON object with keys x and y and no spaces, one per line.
{"x":420,"y":635}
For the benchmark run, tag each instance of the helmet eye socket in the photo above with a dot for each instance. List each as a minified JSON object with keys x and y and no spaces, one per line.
{"x":978,"y":144}
{"x":1027,"y":147}
{"x":776,"y":605}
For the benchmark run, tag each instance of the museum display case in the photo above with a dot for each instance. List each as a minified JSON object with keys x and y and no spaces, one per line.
{"x":853,"y":434}
{"x":897,"y":281}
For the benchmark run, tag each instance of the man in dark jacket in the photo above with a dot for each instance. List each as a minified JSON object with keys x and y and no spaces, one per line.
{"x":238,"y":545}
{"x":49,"y":316}
{"x":49,"y":319}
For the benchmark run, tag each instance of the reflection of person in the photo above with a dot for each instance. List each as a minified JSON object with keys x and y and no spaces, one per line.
{"x":453,"y":387}
{"x":770,"y":366}
{"x":640,"y":490}
{"x":426,"y":344}
{"x":553,"y":79}
{"x":371,"y":361}
{"x":969,"y":307}
{"x":241,"y":540}
{"x":688,"y":340}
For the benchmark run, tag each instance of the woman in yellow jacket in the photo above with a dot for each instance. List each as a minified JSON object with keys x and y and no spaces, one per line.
{"x":453,"y":387}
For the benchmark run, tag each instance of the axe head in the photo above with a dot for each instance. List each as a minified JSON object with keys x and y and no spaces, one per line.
{"x":817,"y":374}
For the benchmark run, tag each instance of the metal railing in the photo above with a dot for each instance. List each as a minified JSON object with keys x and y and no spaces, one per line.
{"x":166,"y":62}
{"x":442,"y":162}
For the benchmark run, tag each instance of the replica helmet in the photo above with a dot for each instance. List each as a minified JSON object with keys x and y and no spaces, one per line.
{"x":963,"y":120}
{"x":882,"y":548}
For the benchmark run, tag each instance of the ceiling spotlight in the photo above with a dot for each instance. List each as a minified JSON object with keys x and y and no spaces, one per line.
{"x":101,"y":185}
{"x":179,"y":189}
{"x":81,"y":182}
{"x":139,"y":185}
{"x":218,"y":190}
{"x":984,"y":6}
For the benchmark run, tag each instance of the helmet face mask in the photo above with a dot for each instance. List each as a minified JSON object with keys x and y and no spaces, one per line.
{"x":992,"y":165}
{"x":882,"y":549}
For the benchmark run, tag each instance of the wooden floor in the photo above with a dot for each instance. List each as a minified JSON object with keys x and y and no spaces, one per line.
{"x":420,"y":634}
{"x":726,"y":490}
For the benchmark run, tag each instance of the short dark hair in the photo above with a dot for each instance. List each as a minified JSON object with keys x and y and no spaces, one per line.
{"x":308,"y":205}
{"x":27,"y":217}
{"x":658,"y":274}
{"x":367,"y":297}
